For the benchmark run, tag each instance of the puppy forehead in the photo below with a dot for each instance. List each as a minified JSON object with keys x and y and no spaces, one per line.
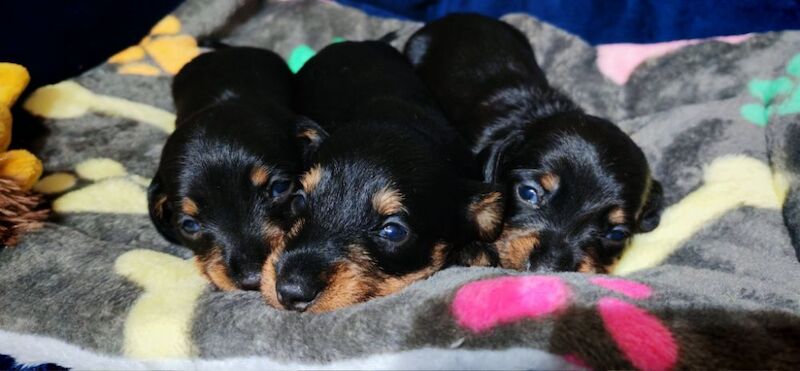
{"x":347,"y":187}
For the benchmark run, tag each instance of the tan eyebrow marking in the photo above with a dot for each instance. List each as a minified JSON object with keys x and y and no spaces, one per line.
{"x":309,"y":134}
{"x":514,"y":247}
{"x":616,"y":216}
{"x":189,"y":207}
{"x":311,"y":178}
{"x":550,"y":181}
{"x":388,"y":201}
{"x":259,"y":175}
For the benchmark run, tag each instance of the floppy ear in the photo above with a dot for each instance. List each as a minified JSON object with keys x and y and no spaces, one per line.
{"x":309,"y":135}
{"x":484,"y":211}
{"x":492,"y":157}
{"x":160,"y":211}
{"x":651,"y":212}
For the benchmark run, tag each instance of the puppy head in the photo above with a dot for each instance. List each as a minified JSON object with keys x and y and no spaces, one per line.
{"x":224,"y":175}
{"x":371,"y":220}
{"x":577,"y":189}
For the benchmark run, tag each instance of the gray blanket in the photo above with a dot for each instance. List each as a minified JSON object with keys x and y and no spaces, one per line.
{"x":717,"y":285}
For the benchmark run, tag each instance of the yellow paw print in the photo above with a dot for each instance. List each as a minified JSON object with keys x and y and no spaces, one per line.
{"x":112,"y":189}
{"x":164,"y":50}
{"x":159,"y":323}
{"x":729,"y":182}
{"x":68,"y":99}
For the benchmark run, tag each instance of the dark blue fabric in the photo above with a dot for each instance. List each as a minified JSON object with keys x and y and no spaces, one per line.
{"x":614,"y":21}
{"x":8,"y":363}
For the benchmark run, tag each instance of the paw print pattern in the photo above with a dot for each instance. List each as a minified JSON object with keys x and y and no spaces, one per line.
{"x":99,"y":185}
{"x":159,"y":323}
{"x":640,"y":336}
{"x":163,"y":51}
{"x":780,"y":96}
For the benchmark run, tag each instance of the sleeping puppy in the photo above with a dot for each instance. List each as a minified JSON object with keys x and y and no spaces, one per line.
{"x":389,"y":194}
{"x":231,"y":163}
{"x":577,"y":187}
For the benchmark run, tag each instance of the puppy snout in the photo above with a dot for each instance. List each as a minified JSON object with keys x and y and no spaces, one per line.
{"x":299,"y":280}
{"x":297,"y":293}
{"x":554,"y":254}
{"x":251,"y":281}
{"x":246,"y":272}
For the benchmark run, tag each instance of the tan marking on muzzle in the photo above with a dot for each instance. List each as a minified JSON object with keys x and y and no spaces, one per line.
{"x":488,"y":215}
{"x":514,"y":247}
{"x":480,"y":260}
{"x":590,"y":264}
{"x":269,"y":277}
{"x":274,"y":236}
{"x":213,"y":267}
{"x":358,"y":279}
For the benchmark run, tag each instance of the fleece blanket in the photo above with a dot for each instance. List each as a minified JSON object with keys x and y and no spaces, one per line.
{"x":717,"y":285}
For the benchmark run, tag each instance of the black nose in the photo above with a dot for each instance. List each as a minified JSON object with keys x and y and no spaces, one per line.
{"x":250,"y":282}
{"x":296,"y":294}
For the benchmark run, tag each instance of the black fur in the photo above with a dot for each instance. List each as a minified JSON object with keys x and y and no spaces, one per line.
{"x":233,"y":115}
{"x":484,"y":75}
{"x":384,"y":131}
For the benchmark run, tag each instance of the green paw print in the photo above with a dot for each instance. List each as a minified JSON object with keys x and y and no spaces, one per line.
{"x":302,"y":53}
{"x":768,"y":92}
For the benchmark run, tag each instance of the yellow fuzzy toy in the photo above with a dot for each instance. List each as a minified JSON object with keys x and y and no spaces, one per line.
{"x":19,"y":165}
{"x":19,"y":169}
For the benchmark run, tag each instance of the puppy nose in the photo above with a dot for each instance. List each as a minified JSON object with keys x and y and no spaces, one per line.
{"x":251,"y":282}
{"x":296,"y":294}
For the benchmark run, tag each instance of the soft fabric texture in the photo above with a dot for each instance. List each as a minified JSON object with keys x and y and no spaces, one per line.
{"x":614,"y":21}
{"x":715,"y":286}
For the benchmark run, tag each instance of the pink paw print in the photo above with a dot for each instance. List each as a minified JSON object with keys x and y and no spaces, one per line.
{"x":640,"y":336}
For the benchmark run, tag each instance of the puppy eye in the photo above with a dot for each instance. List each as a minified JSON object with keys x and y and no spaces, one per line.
{"x":279,"y":188}
{"x":189,"y":226}
{"x":528,"y":193}
{"x":394,"y":232}
{"x":617,"y":233}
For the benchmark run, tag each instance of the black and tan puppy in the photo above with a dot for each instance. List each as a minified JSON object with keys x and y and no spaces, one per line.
{"x":386,"y":200}
{"x":577,"y":187}
{"x":231,"y":163}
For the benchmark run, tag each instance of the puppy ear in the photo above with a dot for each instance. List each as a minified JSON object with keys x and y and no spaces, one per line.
{"x":484,"y":211}
{"x":651,"y":212}
{"x":309,"y":135}
{"x":160,"y":210}
{"x":492,"y":157}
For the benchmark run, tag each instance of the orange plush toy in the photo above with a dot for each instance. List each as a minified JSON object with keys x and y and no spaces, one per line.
{"x":20,"y":209}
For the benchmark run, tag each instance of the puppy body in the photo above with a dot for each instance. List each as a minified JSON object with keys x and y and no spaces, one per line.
{"x":385,"y":200}
{"x":230,"y":164}
{"x":576,"y":185}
